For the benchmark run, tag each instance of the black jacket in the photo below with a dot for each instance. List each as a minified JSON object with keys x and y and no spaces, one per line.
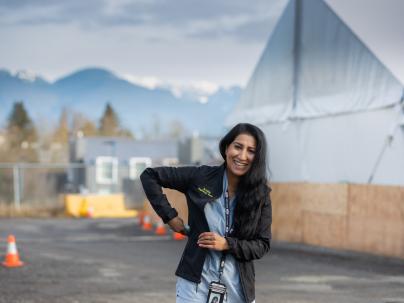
{"x":200,"y":186}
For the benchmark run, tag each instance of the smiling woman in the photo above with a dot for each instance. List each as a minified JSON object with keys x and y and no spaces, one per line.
{"x":240,"y":155}
{"x":229,"y":215}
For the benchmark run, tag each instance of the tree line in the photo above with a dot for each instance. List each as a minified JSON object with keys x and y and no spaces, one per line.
{"x":22,"y":141}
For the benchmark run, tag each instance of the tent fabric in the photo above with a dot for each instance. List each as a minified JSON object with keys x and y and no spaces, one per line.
{"x":331,"y":111}
{"x":314,"y":66}
{"x":269,"y":93}
{"x":338,"y":149}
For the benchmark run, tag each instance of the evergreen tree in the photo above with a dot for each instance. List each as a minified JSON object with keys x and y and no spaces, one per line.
{"x":21,"y":135}
{"x":110,"y":124}
{"x":61,"y":134}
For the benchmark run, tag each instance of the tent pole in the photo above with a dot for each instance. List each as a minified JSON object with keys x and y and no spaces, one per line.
{"x":296,"y":51}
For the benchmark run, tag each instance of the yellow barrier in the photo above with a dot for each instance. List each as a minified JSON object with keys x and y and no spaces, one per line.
{"x":97,"y":206}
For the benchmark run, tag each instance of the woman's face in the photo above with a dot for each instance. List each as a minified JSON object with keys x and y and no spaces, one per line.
{"x":240,"y":154}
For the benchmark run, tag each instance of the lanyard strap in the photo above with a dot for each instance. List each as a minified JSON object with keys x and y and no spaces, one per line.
{"x":227,"y":230}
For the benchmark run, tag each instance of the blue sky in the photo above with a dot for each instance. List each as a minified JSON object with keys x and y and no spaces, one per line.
{"x":207,"y":42}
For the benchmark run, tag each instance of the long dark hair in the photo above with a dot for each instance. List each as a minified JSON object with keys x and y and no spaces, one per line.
{"x":252,"y":189}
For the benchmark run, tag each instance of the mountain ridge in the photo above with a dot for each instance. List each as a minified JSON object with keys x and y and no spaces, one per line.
{"x":88,"y":90}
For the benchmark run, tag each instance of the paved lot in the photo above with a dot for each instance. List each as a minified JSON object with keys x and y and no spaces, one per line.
{"x":113,"y":261}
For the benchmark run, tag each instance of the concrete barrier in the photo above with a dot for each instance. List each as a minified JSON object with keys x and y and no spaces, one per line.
{"x":97,"y":206}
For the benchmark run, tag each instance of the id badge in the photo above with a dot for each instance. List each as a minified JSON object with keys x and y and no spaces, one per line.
{"x":217,"y":292}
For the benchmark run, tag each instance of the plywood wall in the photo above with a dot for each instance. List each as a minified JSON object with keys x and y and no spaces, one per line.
{"x":176,"y":199}
{"x":364,"y":218}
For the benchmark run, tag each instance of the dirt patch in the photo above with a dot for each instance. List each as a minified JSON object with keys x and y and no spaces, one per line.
{"x":10,"y":211}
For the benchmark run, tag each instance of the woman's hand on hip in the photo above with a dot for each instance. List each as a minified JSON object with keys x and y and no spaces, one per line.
{"x":177,"y":225}
{"x":213,"y":241}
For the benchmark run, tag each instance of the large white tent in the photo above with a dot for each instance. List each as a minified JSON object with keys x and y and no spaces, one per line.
{"x":332,"y":112}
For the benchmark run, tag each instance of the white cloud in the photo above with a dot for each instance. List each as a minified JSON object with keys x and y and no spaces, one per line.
{"x":149,"y":82}
{"x":26,"y":75}
{"x":196,"y":90}
{"x":205,"y":87}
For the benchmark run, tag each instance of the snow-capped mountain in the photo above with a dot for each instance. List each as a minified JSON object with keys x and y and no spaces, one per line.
{"x":199,"y":107}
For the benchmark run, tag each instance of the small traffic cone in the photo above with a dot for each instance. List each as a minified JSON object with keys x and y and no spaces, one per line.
{"x":178,"y":236}
{"x":12,"y":258}
{"x":160,"y":229}
{"x":147,"y":223}
{"x":141,"y":217}
{"x":90,"y":212}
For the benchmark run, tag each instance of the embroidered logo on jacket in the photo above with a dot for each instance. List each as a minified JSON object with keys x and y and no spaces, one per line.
{"x":205,"y":191}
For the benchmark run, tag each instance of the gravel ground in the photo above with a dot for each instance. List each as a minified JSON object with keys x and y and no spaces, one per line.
{"x":112,"y":260}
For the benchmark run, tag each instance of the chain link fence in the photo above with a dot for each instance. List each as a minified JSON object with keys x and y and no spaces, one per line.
{"x":41,"y":186}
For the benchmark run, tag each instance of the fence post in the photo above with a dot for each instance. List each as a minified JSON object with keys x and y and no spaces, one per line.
{"x":16,"y":184}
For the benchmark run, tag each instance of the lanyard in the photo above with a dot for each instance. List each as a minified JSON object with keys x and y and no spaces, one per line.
{"x":227,"y":230}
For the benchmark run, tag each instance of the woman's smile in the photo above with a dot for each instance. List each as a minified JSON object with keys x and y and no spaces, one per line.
{"x":240,"y":154}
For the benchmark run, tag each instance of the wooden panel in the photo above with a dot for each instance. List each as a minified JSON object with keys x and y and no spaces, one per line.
{"x":286,"y":212}
{"x":176,"y":199}
{"x":324,"y":229}
{"x":325,"y":198}
{"x":374,"y":200}
{"x":375,"y":235}
{"x":376,"y":219}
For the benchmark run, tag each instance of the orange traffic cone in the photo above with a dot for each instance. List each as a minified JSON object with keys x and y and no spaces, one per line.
{"x":141,"y":217}
{"x":147,"y":223}
{"x":178,"y":236}
{"x":12,"y":259}
{"x":90,"y":212}
{"x":160,"y":229}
